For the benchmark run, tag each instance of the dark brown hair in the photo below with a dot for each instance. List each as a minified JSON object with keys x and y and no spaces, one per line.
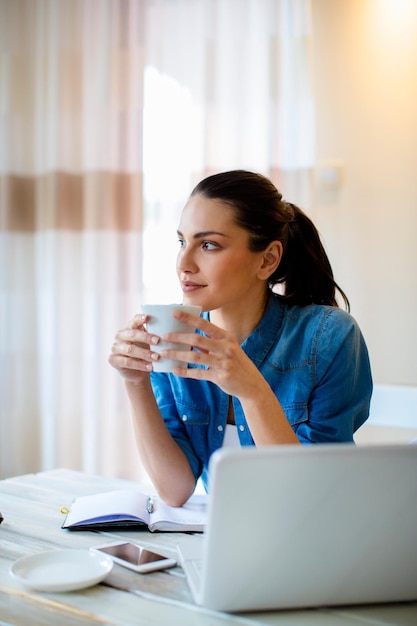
{"x":304,"y":271}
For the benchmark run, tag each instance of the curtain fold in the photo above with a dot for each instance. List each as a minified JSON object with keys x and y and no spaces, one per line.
{"x":110,"y":111}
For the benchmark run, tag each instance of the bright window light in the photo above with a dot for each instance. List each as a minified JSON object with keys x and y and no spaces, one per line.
{"x":172,"y":152}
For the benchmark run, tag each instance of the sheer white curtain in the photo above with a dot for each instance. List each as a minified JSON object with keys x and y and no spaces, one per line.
{"x":110,"y":112}
{"x":70,"y":229}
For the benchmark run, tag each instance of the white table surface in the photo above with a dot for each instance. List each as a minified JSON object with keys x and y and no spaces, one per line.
{"x":31,"y":505}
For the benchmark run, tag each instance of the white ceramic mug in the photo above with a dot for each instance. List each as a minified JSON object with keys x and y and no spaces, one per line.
{"x":161,"y":322}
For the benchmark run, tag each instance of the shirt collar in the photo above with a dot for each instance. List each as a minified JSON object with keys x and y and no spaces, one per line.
{"x":264,"y":336}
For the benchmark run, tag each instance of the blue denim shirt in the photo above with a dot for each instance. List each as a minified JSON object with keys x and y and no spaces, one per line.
{"x":315,"y":360}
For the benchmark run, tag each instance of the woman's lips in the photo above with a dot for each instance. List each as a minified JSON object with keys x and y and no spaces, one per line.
{"x":188,"y":286}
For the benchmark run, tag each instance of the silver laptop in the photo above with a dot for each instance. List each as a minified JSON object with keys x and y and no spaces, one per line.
{"x":304,"y":526}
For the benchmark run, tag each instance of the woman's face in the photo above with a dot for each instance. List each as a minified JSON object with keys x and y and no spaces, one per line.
{"x":215,"y":267}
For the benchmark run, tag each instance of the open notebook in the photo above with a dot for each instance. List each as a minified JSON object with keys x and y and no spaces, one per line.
{"x":304,"y":526}
{"x":133,"y":508}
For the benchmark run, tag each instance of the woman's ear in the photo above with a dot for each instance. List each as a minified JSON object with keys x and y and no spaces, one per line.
{"x":271,"y":258}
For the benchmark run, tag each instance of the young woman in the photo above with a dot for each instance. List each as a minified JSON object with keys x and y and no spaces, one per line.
{"x":264,"y":368}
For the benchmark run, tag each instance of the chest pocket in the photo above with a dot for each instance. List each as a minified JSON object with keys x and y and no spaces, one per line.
{"x":192,"y":415}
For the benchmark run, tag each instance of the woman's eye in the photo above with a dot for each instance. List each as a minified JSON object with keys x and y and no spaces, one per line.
{"x":182,"y":243}
{"x":209,"y":245}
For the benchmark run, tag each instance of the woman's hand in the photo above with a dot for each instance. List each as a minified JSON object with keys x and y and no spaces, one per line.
{"x":226,"y":364}
{"x":131,"y":354}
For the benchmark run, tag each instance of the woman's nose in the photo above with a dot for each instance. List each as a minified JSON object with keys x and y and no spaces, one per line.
{"x":185,"y":260}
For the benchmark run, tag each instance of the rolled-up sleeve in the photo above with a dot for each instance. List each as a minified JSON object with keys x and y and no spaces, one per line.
{"x":341,"y":394}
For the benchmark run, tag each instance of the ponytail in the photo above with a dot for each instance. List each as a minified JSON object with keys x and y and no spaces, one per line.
{"x":305,"y":269}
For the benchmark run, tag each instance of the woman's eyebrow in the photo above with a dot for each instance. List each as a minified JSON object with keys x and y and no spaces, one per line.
{"x":204,"y":233}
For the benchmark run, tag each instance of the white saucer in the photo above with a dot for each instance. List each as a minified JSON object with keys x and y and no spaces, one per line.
{"x":61,"y":570}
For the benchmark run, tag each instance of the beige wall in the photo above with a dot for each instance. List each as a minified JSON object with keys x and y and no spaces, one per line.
{"x":365,"y":54}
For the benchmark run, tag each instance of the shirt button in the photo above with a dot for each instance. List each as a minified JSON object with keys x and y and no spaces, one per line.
{"x":184,"y":418}
{"x":220,"y":428}
{"x":241,"y":428}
